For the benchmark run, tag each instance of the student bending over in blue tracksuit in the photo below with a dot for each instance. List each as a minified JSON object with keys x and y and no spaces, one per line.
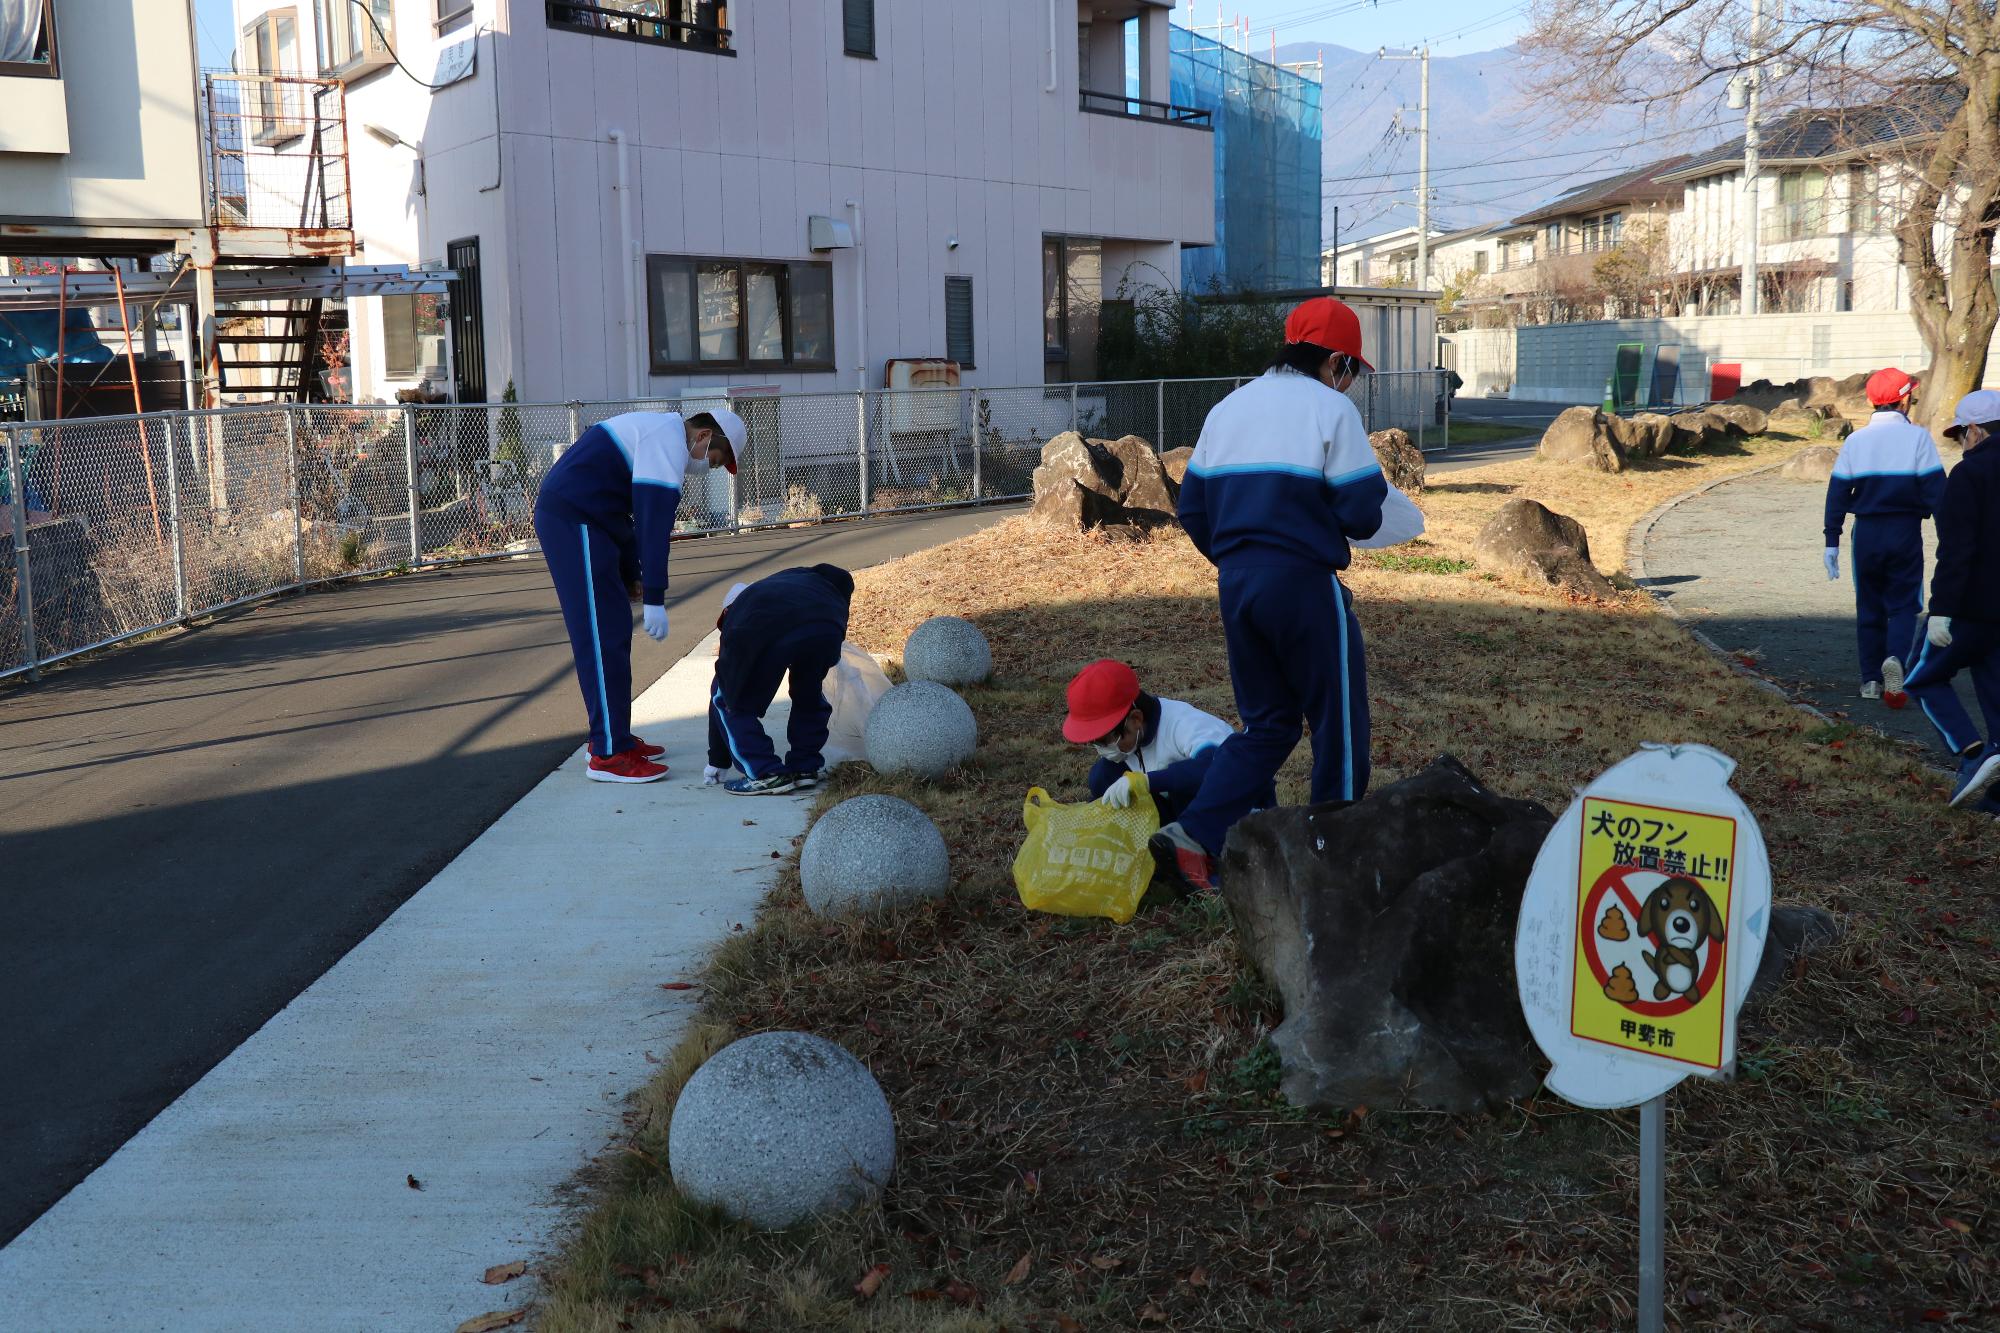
{"x":604,"y":516}
{"x":790,"y":624}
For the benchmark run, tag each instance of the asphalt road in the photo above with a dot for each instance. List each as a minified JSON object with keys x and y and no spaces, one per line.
{"x":195,"y":829}
{"x":1528,"y":415}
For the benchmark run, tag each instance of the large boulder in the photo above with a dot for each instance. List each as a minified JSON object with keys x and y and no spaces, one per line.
{"x":1583,"y":435}
{"x":949,"y":651}
{"x":1175,"y":461}
{"x":1387,"y":927}
{"x":872,"y":852}
{"x":1646,"y":435}
{"x":1096,"y":483}
{"x":922,"y":729}
{"x":1743,"y":419}
{"x":1812,"y":464}
{"x":1529,"y":539}
{"x":779,"y":1128}
{"x":1695,"y":431}
{"x":1402,"y":462}
{"x":1795,"y":933}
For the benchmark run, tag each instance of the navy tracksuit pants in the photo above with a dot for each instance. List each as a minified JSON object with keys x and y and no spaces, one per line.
{"x":1295,"y":656}
{"x":1975,"y":647}
{"x":1888,"y":568}
{"x":590,"y":567}
{"x":747,"y":676}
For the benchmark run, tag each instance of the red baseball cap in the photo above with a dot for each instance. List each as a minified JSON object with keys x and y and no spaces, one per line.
{"x":1889,"y":387}
{"x":1099,"y":698}
{"x":1326,"y":322}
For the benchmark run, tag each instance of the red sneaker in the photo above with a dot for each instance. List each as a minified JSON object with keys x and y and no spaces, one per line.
{"x":1892,"y":684}
{"x":645,"y":751}
{"x":1184,"y":862}
{"x":626,"y":767}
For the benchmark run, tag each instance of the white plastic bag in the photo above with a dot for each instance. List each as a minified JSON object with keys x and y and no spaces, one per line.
{"x":852,"y":687}
{"x":1402,"y":521}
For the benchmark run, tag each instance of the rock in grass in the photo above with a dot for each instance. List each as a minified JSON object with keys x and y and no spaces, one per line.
{"x":1533,"y":540}
{"x":1796,"y":931}
{"x":922,"y":729}
{"x":870,"y":853}
{"x":781,"y":1127}
{"x":949,"y":651}
{"x":1385,"y":925}
{"x":1402,"y":462}
{"x":1814,"y":463}
{"x":1583,"y":435}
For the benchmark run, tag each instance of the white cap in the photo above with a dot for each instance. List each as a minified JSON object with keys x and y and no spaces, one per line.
{"x":729,"y":598}
{"x":1981,"y":407}
{"x":738,"y":432}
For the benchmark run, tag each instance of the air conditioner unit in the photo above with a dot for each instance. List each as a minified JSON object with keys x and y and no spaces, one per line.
{"x":825,"y":233}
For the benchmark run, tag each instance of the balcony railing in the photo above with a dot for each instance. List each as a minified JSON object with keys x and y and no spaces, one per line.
{"x":699,"y":25}
{"x":1138,"y":108}
{"x":277,"y":151}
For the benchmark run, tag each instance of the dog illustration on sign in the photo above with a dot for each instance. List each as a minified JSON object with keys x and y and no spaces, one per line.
{"x":1679,"y":917}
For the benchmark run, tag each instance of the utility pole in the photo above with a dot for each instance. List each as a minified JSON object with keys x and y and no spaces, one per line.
{"x":1422,"y":55}
{"x":1752,"y":82}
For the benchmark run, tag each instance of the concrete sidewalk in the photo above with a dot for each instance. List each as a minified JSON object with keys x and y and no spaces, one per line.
{"x":481,"y":1041}
{"x":1741,"y":562}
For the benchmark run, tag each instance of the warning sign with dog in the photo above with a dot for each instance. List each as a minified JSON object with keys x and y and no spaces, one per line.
{"x":1641,"y":928}
{"x":1652,"y":938}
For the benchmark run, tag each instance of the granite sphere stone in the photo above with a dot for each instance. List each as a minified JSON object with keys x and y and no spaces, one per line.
{"x":920,"y":728}
{"x":949,"y":651}
{"x":780,"y":1127}
{"x":872,"y":852}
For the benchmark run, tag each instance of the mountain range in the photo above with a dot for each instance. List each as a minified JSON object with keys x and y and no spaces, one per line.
{"x":1495,"y":152}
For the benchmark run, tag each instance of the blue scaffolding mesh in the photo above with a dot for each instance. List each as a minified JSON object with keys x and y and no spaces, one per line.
{"x":1267,"y":167}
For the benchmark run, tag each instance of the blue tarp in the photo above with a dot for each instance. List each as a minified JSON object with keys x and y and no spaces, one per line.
{"x":31,"y":335}
{"x":1267,"y":167}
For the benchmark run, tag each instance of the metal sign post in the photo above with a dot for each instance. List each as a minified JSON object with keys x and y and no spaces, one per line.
{"x":1639,"y":936}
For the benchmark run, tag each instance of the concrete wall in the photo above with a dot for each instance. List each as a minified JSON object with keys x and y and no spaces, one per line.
{"x":127,"y":88}
{"x":1570,"y":362}
{"x":1484,"y":359}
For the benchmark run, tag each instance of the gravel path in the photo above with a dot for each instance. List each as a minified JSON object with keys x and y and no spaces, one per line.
{"x":1742,"y":564}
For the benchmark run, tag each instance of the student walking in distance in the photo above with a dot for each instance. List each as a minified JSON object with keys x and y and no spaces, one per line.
{"x":605,"y":518}
{"x":1889,"y":476}
{"x":1962,"y":632}
{"x":1282,"y":480}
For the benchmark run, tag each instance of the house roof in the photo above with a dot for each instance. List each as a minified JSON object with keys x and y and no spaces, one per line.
{"x":1821,"y":134}
{"x":1641,"y":186}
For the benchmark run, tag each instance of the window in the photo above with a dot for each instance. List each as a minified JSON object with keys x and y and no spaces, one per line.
{"x":272,"y":47}
{"x":28,"y":38}
{"x":1072,"y":293}
{"x":958,"y":321}
{"x":1864,"y":199}
{"x":701,"y":25}
{"x":412,"y":336}
{"x":708,"y":314}
{"x":1801,"y":210}
{"x":1479,"y":262}
{"x":860,"y":22}
{"x":452,"y":15}
{"x":349,"y":43}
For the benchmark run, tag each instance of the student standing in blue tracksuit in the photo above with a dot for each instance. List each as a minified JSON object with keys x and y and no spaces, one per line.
{"x":604,"y":516}
{"x":1889,"y":476}
{"x":1281,"y":481}
{"x":792,"y":623}
{"x":1962,"y":632}
{"x":1170,"y":742}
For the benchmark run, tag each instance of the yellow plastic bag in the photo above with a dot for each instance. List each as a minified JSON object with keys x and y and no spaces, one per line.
{"x":1087,"y":860}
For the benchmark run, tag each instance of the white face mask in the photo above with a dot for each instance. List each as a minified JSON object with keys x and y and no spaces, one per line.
{"x":1112,"y":754}
{"x":698,"y":464}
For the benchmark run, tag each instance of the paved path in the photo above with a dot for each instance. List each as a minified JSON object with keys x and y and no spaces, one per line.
{"x":482,"y":1042}
{"x":196,"y":828}
{"x":1742,"y":563}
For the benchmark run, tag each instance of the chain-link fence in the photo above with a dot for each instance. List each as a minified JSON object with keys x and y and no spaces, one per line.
{"x":121,"y":526}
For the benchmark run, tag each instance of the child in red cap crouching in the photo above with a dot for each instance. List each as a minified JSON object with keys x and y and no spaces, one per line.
{"x":1171,"y":742}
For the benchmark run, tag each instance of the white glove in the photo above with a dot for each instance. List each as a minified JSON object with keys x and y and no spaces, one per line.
{"x":1833,"y":563}
{"x":711,"y":776}
{"x":656,"y":622}
{"x":1938,"y":631}
{"x":1119,"y":794}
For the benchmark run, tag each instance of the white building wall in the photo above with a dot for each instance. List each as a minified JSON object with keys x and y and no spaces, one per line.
{"x":127,"y":89}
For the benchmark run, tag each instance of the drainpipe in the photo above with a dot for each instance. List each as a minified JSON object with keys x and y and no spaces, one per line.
{"x":860,"y":295}
{"x":627,"y":296}
{"x":1050,"y":86}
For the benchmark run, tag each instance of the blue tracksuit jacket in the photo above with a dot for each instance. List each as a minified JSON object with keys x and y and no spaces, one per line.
{"x":1282,"y":480}
{"x":789,"y":624}
{"x":1889,"y":476}
{"x":1965,"y":587}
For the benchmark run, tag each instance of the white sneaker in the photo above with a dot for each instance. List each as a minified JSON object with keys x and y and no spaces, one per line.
{"x":1892,"y":683}
{"x":1872,"y":690}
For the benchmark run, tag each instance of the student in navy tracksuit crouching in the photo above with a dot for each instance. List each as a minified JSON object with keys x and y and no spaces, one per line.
{"x":605,"y":517}
{"x":1172,"y":743}
{"x":790,"y":624}
{"x":1889,"y":476}
{"x":1962,"y":632}
{"x":1282,"y":480}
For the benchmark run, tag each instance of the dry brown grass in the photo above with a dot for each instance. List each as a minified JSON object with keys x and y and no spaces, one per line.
{"x":1094,"y":1101}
